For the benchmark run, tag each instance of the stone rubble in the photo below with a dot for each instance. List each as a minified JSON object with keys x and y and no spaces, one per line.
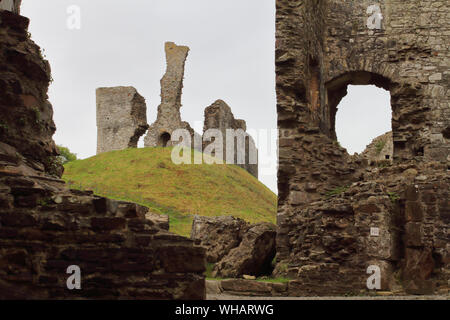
{"x":235,"y":247}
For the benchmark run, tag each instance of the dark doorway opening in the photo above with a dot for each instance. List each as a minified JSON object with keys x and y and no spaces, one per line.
{"x":164,"y":139}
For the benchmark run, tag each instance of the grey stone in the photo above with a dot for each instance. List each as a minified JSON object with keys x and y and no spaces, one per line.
{"x":169,"y":117}
{"x":121,"y":118}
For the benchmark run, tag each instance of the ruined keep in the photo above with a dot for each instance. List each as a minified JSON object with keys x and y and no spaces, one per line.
{"x":380,"y":149}
{"x":121,"y":118}
{"x":219,"y":116}
{"x":122,"y":250}
{"x":169,"y":117}
{"x":337,"y":216}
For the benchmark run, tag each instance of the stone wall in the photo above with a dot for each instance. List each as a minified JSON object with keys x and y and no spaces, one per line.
{"x":235,"y":247}
{"x":121,"y":118}
{"x":219,"y":116}
{"x":169,"y":117}
{"x":24,"y":82}
{"x":11,"y":5}
{"x":321,"y":48}
{"x":380,"y":149}
{"x":45,"y":228}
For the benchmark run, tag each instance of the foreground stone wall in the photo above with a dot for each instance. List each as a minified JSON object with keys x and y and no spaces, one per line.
{"x":332,"y":241}
{"x":219,"y":116}
{"x":122,"y":251}
{"x":169,"y":117}
{"x":121,"y":118}
{"x":321,"y":48}
{"x":121,"y":254}
{"x":24,"y":82}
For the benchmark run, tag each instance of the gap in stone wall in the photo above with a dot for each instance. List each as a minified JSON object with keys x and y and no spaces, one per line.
{"x":364,"y":114}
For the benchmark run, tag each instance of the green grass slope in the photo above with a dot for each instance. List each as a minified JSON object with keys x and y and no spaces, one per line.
{"x":149,"y":177}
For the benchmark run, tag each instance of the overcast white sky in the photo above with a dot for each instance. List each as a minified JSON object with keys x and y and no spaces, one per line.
{"x":121,"y":43}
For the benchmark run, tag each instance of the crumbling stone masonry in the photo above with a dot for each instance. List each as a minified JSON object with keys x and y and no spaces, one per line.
{"x":381,"y":149}
{"x":45,"y":228}
{"x":236,"y":247}
{"x":11,"y":5}
{"x":219,"y":116}
{"x":121,"y":118}
{"x":329,"y":201}
{"x":169,"y":117}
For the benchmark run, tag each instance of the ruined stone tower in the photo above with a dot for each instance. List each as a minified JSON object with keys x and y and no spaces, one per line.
{"x":329,"y":201}
{"x":121,"y":118}
{"x":169,"y":117}
{"x":11,"y":5}
{"x":219,"y":116}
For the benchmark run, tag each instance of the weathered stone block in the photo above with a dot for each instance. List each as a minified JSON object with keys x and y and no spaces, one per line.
{"x":121,"y":118}
{"x":103,"y":205}
{"x":419,"y":267}
{"x":414,"y":211}
{"x":245,"y":286}
{"x":218,"y":116}
{"x":299,"y":198}
{"x":218,"y":235}
{"x":159,"y":220}
{"x":253,"y":256}
{"x":183,"y":259}
{"x":414,"y":234}
{"x":107,"y":224}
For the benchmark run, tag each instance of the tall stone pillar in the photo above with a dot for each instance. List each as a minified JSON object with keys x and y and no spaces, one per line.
{"x":169,"y":118}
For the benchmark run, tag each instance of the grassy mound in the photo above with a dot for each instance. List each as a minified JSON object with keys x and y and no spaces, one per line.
{"x":149,"y":177}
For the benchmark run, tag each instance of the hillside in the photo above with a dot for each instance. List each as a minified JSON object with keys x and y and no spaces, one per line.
{"x":147,"y":176}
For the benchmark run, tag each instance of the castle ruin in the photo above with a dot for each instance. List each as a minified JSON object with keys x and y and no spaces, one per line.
{"x":380,"y":149}
{"x":219,"y":116}
{"x":121,"y":118}
{"x":11,"y":5}
{"x":338,"y":218}
{"x":169,"y":117}
{"x":122,"y":251}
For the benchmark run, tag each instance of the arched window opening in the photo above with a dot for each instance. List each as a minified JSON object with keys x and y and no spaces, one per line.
{"x":364,"y":122}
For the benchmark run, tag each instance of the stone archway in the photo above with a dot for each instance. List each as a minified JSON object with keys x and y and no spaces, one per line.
{"x":404,"y":99}
{"x":164,"y":139}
